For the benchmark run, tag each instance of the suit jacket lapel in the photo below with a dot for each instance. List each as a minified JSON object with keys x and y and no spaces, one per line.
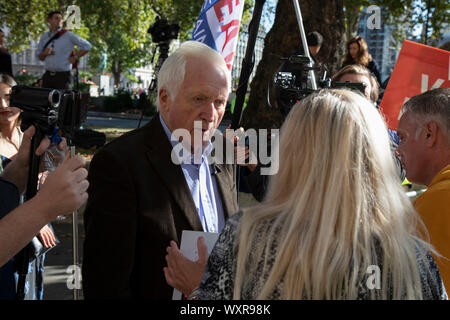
{"x":227,"y":187}
{"x":159,"y":155}
{"x":226,"y":179}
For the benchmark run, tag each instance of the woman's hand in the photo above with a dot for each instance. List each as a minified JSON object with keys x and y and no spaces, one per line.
{"x":182,"y":273}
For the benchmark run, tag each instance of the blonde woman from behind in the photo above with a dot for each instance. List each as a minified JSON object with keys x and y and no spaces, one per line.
{"x":335,"y":223}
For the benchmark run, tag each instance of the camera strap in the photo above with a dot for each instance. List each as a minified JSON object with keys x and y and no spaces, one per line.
{"x":55,"y":36}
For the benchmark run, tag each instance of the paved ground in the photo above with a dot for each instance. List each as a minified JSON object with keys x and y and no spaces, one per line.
{"x":59,"y":259}
{"x":113,"y":122}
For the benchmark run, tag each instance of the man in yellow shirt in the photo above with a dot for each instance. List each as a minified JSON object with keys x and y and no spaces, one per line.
{"x":424,"y":130}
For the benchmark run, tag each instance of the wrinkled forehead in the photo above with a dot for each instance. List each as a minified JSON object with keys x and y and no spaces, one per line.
{"x":406,"y":122}
{"x":207,"y":71}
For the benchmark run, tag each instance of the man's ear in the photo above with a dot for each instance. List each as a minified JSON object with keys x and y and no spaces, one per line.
{"x":431,"y":129}
{"x":164,"y":99}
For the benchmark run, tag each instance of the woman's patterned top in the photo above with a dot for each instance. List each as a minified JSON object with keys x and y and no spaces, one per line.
{"x":218,"y":278}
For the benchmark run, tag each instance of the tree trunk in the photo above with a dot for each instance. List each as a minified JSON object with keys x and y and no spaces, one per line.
{"x":324,"y":16}
{"x":352,"y":15}
{"x":116,"y":71}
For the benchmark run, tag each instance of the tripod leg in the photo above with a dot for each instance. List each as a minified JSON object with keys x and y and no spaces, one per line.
{"x":76,"y":264}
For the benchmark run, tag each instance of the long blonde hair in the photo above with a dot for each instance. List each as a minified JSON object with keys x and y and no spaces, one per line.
{"x":333,"y":206}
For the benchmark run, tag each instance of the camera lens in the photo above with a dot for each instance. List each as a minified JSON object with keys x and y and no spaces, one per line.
{"x":54,"y":97}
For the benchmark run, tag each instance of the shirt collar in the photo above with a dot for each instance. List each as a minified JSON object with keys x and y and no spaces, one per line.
{"x":206,"y":150}
{"x":444,"y":174}
{"x":51,"y":34}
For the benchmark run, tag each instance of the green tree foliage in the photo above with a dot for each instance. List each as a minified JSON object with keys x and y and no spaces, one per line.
{"x":410,"y":15}
{"x":406,"y":16}
{"x":119,"y":29}
{"x":182,"y":11}
{"x":26,"y":79}
{"x":115,"y":27}
{"x":26,"y":20}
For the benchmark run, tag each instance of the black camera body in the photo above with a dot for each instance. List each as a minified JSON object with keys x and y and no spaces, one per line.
{"x":49,"y":108}
{"x":163,"y":31}
{"x":292,"y":82}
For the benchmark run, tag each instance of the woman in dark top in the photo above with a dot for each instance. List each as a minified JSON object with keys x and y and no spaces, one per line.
{"x":357,"y":53}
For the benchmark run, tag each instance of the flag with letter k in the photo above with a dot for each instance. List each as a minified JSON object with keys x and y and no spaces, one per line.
{"x":419,"y":68}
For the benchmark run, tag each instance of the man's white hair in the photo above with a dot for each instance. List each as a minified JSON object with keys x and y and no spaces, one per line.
{"x":172,"y":72}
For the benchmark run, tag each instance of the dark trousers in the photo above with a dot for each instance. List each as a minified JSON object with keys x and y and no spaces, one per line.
{"x":57,"y":80}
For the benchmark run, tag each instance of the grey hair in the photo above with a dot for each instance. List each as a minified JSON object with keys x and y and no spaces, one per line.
{"x":7,"y":79}
{"x":431,"y":105}
{"x":172,"y":72}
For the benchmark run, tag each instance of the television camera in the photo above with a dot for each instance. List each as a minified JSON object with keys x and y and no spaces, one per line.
{"x":49,"y":108}
{"x":292,"y":81}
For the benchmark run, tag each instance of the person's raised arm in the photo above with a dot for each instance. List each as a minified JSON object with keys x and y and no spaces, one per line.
{"x":63,"y":192}
{"x":17,"y":171}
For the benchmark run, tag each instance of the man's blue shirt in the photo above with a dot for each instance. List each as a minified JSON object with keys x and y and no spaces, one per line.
{"x":62,"y":47}
{"x":203,"y":187}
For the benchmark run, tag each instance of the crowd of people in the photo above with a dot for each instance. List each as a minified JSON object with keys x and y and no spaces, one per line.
{"x":308,"y":241}
{"x":334,"y":210}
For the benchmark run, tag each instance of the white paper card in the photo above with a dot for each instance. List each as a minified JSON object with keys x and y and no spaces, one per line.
{"x":189,"y":249}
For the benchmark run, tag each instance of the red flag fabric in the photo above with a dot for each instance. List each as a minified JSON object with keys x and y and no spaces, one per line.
{"x":419,"y":68}
{"x":218,"y":26}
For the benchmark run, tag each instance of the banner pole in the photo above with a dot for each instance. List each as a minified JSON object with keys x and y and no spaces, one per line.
{"x":247,"y":64}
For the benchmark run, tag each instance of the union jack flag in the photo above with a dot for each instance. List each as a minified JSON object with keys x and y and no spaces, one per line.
{"x":218,"y":26}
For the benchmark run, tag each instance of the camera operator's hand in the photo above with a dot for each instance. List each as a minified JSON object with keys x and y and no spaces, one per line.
{"x":65,"y":188}
{"x":17,"y":171}
{"x":64,"y":191}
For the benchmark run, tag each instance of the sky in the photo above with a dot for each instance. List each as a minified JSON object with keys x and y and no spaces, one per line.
{"x":268,"y":17}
